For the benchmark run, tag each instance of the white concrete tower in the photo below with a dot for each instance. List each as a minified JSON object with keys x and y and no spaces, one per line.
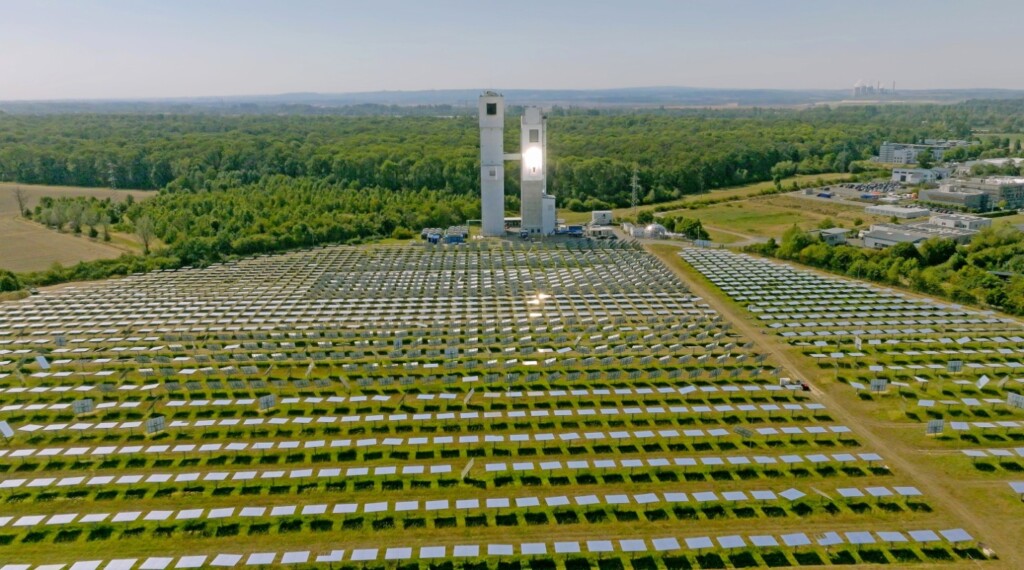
{"x":538,"y":209}
{"x":492,"y":164}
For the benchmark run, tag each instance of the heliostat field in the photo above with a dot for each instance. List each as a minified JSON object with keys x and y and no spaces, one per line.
{"x":483,"y":405}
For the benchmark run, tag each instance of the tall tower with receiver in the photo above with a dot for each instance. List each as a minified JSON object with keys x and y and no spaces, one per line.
{"x":492,"y":164}
{"x":537,"y":207}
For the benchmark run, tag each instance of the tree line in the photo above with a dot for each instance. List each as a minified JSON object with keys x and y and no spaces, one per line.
{"x":239,"y":185}
{"x":988,"y":271}
{"x":280,"y":212}
{"x":592,"y":154}
{"x":90,"y":215}
{"x":273,"y":214}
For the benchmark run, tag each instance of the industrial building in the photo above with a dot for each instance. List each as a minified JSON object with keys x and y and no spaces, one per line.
{"x":881,"y":236}
{"x":600,"y":232}
{"x":900,"y":153}
{"x":964,"y":168}
{"x":981,"y":194}
{"x":919,"y":175}
{"x":951,"y":197}
{"x":957,"y":227}
{"x":863,"y":90}
{"x":537,"y":213}
{"x":960,"y":221}
{"x":901,"y":212}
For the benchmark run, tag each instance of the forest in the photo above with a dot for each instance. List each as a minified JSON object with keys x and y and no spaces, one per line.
{"x":238,"y":185}
{"x":592,"y":153}
{"x":988,"y":271}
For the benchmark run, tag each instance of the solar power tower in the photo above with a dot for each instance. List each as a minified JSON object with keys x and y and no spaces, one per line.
{"x":492,"y":164}
{"x":537,"y":206}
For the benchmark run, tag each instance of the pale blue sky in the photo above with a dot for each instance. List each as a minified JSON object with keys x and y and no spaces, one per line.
{"x":138,"y":48}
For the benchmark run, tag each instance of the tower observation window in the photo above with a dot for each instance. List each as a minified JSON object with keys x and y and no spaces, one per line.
{"x":492,"y":108}
{"x":534,"y":135}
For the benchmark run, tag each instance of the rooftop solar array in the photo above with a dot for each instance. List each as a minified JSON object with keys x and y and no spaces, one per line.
{"x":383,"y":403}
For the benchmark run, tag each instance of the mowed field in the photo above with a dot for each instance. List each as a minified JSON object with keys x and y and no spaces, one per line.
{"x":736,"y":192}
{"x":27,"y":246}
{"x":771,"y":216}
{"x":1014,"y":220}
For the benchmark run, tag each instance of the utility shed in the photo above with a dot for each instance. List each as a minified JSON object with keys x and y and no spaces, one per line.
{"x":833,"y":236}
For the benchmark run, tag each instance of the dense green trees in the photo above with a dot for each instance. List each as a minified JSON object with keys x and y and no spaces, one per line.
{"x":236,"y":185}
{"x":279,"y":213}
{"x":9,"y":281}
{"x":72,"y":214}
{"x":965,"y":274}
{"x":591,"y":154}
{"x":689,"y":227}
{"x":276,"y":213}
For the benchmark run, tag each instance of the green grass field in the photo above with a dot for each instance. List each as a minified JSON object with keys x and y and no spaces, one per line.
{"x":737,"y":192}
{"x":722,"y":237}
{"x":771,"y":216}
{"x":1014,"y":220}
{"x":1012,"y":136}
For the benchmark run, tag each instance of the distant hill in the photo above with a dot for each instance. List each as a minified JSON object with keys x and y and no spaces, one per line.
{"x":461,"y":101}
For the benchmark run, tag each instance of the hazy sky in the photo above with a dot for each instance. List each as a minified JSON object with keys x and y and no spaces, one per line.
{"x":173,"y":48}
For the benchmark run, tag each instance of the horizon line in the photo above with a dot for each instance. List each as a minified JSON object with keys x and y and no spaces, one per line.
{"x":165,"y":98}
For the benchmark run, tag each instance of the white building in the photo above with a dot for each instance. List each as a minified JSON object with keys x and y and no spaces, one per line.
{"x":919,"y":175}
{"x":960,"y":221}
{"x":601,"y":217}
{"x":898,"y":211}
{"x":899,"y":153}
{"x":600,"y":232}
{"x":957,"y":227}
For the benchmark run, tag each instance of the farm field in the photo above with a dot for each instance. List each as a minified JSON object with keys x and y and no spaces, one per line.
{"x":27,"y":246}
{"x":908,"y":364}
{"x":495,"y":403}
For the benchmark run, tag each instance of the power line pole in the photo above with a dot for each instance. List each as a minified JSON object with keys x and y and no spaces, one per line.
{"x":634,"y":185}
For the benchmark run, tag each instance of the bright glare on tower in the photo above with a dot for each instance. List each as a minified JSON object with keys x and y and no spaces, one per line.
{"x":533,"y":158}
